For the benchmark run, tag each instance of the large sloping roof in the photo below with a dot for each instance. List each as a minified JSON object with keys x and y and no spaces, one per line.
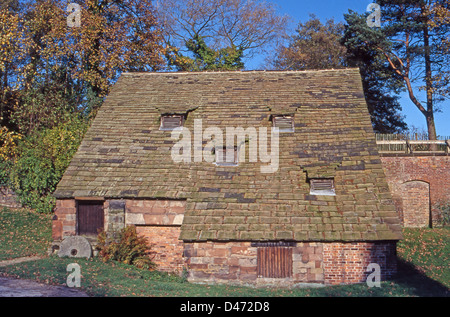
{"x":125,"y":155}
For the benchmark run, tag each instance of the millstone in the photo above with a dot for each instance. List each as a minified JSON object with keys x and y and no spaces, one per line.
{"x":75,"y":247}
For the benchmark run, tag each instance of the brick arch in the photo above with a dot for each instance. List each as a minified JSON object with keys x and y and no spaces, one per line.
{"x":416,"y":203}
{"x":432,"y":169}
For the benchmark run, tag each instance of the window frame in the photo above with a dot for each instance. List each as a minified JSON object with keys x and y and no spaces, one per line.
{"x":224,"y":162}
{"x":284,"y":130}
{"x":317,"y":187}
{"x":161,"y":126}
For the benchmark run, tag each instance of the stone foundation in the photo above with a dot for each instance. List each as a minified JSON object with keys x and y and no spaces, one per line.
{"x":157,"y":220}
{"x":233,"y":263}
{"x":236,"y":263}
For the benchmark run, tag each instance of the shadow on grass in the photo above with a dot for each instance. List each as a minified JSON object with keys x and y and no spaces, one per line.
{"x":409,"y":277}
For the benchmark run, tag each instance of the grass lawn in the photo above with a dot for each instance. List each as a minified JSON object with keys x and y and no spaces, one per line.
{"x":23,"y":233}
{"x":423,"y":271}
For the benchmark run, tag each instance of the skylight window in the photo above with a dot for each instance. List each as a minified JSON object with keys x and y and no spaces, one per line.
{"x":170,"y":122}
{"x":322,"y":186}
{"x":283,"y":123}
{"x":226,"y":156}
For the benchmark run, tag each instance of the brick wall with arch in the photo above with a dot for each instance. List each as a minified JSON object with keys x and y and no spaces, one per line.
{"x":418,"y":184}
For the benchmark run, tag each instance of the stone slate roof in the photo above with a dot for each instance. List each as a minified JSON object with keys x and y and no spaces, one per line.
{"x":125,"y":155}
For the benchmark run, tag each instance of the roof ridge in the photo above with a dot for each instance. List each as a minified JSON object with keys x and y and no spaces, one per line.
{"x":245,"y":71}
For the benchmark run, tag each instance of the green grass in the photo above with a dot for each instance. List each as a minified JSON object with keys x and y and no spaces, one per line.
{"x":423,"y":268}
{"x":23,"y":233}
{"x":428,"y":250}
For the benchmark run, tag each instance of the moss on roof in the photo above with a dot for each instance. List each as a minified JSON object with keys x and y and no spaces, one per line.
{"x":125,"y":155}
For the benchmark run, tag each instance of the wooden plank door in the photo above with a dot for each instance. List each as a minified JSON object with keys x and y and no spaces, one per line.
{"x":274,"y":262}
{"x":90,"y":217}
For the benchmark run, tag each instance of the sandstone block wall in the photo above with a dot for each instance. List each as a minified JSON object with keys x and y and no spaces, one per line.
{"x":64,"y":219}
{"x":157,"y":220}
{"x":235,"y":263}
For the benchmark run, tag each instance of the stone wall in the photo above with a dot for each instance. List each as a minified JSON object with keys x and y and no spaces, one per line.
{"x":417,"y":185}
{"x":8,"y":198}
{"x":64,"y":219}
{"x":158,"y":220}
{"x":235,"y":263}
{"x":229,"y":262}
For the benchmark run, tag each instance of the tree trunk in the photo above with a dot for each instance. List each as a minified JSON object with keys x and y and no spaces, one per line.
{"x":428,"y":80}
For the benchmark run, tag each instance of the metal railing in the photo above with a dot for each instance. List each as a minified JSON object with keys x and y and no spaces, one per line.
{"x":409,"y":144}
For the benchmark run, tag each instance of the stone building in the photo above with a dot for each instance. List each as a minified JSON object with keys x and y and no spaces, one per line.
{"x":320,"y":214}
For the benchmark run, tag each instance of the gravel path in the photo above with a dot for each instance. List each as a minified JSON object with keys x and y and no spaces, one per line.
{"x":13,"y":287}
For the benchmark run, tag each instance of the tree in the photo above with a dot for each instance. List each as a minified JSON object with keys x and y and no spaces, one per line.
{"x":12,"y":52}
{"x":53,"y":77}
{"x":412,"y":42}
{"x":381,"y":87}
{"x":43,"y":158}
{"x":65,"y":70}
{"x":441,"y":13}
{"x":314,"y":46}
{"x":249,"y":25}
{"x":205,"y":58}
{"x":321,"y":46}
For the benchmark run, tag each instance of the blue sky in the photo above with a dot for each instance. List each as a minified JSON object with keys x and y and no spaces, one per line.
{"x":299,"y":10}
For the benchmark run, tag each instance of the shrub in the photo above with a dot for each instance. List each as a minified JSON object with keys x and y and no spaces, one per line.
{"x":8,"y":153}
{"x":443,"y":216}
{"x":41,"y":161}
{"x":129,"y":249}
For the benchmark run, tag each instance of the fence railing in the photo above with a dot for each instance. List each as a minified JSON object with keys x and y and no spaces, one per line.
{"x":412,"y":143}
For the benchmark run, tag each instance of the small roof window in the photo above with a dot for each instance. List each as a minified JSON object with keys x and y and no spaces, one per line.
{"x":283,"y":123}
{"x":322,"y":186}
{"x":170,"y":122}
{"x":226,"y":156}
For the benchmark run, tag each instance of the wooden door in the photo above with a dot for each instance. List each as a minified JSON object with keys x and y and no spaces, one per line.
{"x":274,"y":262}
{"x":90,"y":217}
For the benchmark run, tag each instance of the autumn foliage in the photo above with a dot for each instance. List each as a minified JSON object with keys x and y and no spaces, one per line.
{"x":54,"y":77}
{"x":128,"y":248}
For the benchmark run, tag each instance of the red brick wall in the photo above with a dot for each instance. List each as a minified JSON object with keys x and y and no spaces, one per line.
{"x":64,"y":219}
{"x":432,"y":170}
{"x":167,"y":250}
{"x":416,"y":204}
{"x":346,"y":263}
{"x":160,"y":222}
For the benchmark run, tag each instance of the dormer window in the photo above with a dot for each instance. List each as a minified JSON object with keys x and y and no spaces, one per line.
{"x":283,"y":123}
{"x":226,"y":156}
{"x":170,"y":122}
{"x":322,"y":186}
